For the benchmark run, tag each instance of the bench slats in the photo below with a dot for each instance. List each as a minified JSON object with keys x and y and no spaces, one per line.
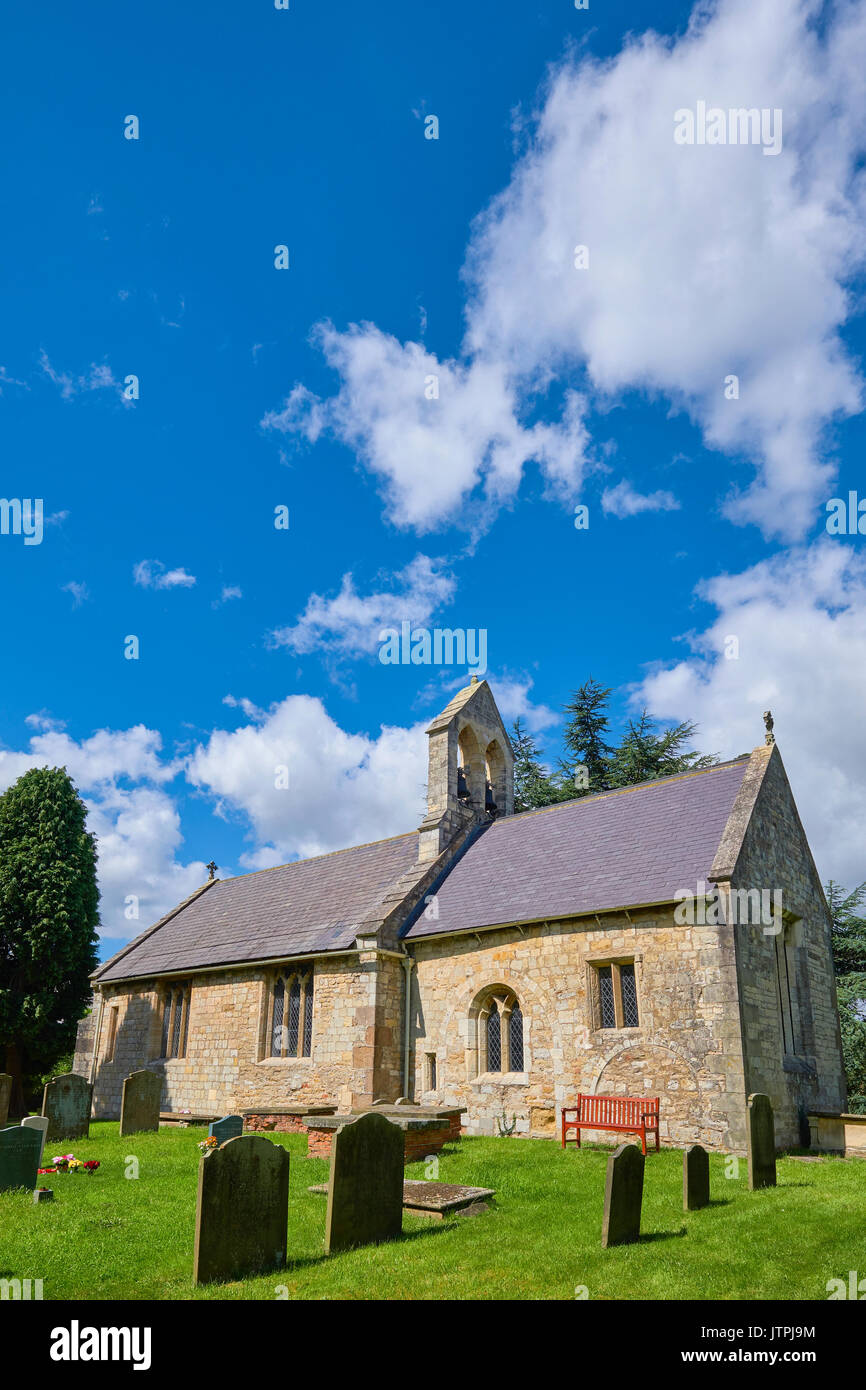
{"x":629,"y":1114}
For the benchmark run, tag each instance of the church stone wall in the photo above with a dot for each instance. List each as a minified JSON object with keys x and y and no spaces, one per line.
{"x":222,"y":1070}
{"x":687,"y":1048}
{"x":775,"y":856}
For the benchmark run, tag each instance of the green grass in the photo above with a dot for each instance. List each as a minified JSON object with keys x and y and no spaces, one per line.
{"x":107,"y":1236}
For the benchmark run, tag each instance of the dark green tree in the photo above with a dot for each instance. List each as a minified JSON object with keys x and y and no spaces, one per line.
{"x":646,"y":754}
{"x":848,"y":934}
{"x":533,"y":786}
{"x":585,"y":740}
{"x":49,"y":910}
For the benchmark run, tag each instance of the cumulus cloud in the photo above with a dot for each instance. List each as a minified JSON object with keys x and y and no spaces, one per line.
{"x":152,"y":574}
{"x":306,"y":786}
{"x":704,"y":263}
{"x":623,"y":500}
{"x":349,"y":623}
{"x":789,"y":635}
{"x":433,"y":431}
{"x":123,"y":778}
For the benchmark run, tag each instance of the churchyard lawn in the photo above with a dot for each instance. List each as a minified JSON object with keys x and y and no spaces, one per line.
{"x":110,"y":1236}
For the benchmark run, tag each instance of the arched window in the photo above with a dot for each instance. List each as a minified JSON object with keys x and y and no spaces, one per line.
{"x":175,"y":1022}
{"x":499,"y":1032}
{"x":290,"y":1025}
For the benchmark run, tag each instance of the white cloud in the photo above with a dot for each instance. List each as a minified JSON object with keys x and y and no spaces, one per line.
{"x":99,"y":377}
{"x":512,"y":697}
{"x":137,"y":827}
{"x":79,"y":592}
{"x":343,"y":788}
{"x":229,"y":592}
{"x":800,"y":622}
{"x":152,"y":574}
{"x":623,"y":500}
{"x":433,"y":453}
{"x":704,"y":262}
{"x":349,"y":623}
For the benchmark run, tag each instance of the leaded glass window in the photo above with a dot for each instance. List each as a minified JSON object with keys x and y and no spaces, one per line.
{"x":605,"y":995}
{"x":629,"y":996}
{"x":494,"y":1040}
{"x":294,"y":1017}
{"x":515,"y":1038}
{"x":277,"y":1028}
{"x":291,"y":1015}
{"x":175,"y":1022}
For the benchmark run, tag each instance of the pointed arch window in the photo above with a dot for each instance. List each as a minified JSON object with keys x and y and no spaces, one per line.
{"x":289,"y":1029}
{"x":499,"y":1026}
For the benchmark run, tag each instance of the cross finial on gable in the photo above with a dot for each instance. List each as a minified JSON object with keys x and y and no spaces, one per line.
{"x":211,"y":868}
{"x":768,"y":725}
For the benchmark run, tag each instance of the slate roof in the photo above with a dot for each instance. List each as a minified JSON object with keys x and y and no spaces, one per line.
{"x":310,"y":906}
{"x":618,"y":849}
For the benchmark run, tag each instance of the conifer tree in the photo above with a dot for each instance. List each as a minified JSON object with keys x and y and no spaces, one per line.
{"x":48,"y":917}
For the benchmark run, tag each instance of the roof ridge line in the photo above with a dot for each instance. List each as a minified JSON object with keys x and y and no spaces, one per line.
{"x":311,"y":858}
{"x":620,"y":791}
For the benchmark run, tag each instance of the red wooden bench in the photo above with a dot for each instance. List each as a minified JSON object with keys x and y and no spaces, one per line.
{"x":627,"y":1114}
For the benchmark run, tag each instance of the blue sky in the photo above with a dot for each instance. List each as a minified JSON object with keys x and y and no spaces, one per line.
{"x":558,"y":387}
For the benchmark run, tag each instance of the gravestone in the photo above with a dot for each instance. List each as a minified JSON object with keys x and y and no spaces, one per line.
{"x":66,"y":1104}
{"x":696,"y":1178}
{"x":229,"y":1127}
{"x":139,"y":1106}
{"x":623,"y":1194}
{"x":5,"y":1093}
{"x":761,"y":1142}
{"x":365,"y":1188}
{"x":40,"y":1124}
{"x":242,"y":1209}
{"x":19,"y":1157}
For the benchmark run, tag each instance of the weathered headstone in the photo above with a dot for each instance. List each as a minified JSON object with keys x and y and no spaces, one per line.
{"x":229,"y":1127}
{"x":40,"y":1124}
{"x":696,"y":1178}
{"x":242,"y":1209}
{"x":623,"y":1194}
{"x":19,"y":1157}
{"x":761,"y":1142}
{"x":365,"y":1188}
{"x":66,"y":1103}
{"x":5,"y":1093}
{"x":139,"y":1106}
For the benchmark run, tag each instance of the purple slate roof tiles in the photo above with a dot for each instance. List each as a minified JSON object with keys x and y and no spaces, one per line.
{"x":309,"y":906}
{"x":617,"y":849}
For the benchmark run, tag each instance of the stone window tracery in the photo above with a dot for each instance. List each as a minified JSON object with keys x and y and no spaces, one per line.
{"x":499,"y":1032}
{"x":289,"y":1027}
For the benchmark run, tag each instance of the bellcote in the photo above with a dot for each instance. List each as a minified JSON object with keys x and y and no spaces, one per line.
{"x":470,"y":770}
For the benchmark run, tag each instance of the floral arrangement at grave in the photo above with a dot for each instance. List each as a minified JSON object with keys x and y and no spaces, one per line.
{"x":207,"y":1145}
{"x":68,"y":1163}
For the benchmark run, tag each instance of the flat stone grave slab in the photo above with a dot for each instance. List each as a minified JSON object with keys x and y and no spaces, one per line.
{"x":19,"y":1157}
{"x":435,"y":1199}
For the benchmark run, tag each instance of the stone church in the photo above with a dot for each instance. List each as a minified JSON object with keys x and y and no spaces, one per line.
{"x":501,"y":963}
